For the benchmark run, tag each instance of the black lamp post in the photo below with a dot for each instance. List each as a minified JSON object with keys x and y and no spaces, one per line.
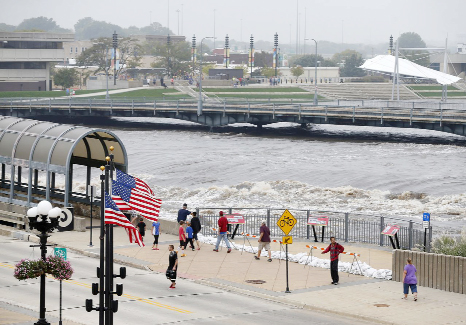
{"x":44,"y":219}
{"x":275,"y":44}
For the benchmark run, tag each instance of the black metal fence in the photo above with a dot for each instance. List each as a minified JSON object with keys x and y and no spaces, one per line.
{"x":344,"y":226}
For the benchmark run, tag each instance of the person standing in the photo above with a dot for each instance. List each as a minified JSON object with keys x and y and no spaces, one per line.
{"x":196,"y":225}
{"x":335,"y":249}
{"x":142,"y":228}
{"x":189,"y":235}
{"x":183,"y":213}
{"x":222,"y":232}
{"x":409,"y":279}
{"x":182,"y":237}
{"x":172,"y":266}
{"x":156,"y":233}
{"x":264,"y":241}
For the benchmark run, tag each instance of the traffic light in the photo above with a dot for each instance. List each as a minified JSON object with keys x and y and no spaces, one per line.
{"x":275,"y":40}
{"x":227,"y":42}
{"x":194,"y":42}
{"x":115,"y":40}
{"x":251,"y":41}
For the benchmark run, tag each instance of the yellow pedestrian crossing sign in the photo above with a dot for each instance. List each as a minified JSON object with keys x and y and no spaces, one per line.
{"x":286,"y":222}
{"x":287,"y":240}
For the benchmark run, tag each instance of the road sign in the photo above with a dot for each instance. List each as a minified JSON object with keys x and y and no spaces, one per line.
{"x":426,"y":216}
{"x":390,"y":230}
{"x":61,"y":252}
{"x":286,"y":240}
{"x":318,"y":221}
{"x":286,"y":222}
{"x":235,"y":218}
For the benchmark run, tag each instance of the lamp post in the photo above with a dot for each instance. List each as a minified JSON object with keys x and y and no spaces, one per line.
{"x":275,"y":44}
{"x":304,"y":50}
{"x":315,"y":78}
{"x":251,"y":52}
{"x":44,"y":219}
{"x":199,"y":103}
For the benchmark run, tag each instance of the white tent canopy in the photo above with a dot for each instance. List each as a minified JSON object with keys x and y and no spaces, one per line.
{"x":386,"y":64}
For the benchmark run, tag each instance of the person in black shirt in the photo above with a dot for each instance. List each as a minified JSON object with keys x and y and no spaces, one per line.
{"x":172,"y":265}
{"x":196,"y":225}
{"x":142,"y":228}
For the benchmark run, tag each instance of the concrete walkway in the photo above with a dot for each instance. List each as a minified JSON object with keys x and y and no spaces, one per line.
{"x":377,"y":301}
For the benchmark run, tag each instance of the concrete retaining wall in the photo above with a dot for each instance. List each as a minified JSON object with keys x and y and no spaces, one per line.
{"x":436,"y":271}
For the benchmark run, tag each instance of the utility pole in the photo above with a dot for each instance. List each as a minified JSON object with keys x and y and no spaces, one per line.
{"x":251,"y":52}
{"x":227,"y":51}
{"x":178,"y":12}
{"x":115,"y":45}
{"x":275,"y":53}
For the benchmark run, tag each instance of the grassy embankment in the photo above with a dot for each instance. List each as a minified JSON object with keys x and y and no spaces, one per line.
{"x":434,"y":91}
{"x":47,"y":94}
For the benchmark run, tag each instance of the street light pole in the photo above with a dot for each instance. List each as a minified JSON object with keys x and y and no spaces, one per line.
{"x":199,"y":103}
{"x":315,"y":78}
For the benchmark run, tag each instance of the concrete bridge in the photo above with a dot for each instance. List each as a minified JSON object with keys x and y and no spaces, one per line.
{"x":444,"y":117}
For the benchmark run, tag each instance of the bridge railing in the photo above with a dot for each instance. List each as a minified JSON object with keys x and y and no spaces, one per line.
{"x":345,"y":226}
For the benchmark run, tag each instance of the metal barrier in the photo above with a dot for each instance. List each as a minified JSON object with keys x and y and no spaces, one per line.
{"x":349,"y":227}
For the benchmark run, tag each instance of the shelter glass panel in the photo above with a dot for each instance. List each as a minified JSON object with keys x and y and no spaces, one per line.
{"x":60,"y":153}
{"x":76,"y":133}
{"x":5,"y":122}
{"x":39,"y":128}
{"x":117,"y":152}
{"x":24,"y":146}
{"x":80,"y":150}
{"x":42,"y":150}
{"x":6,"y":144}
{"x":56,"y":131}
{"x":21,"y":126}
{"x":97,"y":151}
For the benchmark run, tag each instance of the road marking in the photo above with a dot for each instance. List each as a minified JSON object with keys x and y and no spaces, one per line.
{"x":135,"y":298}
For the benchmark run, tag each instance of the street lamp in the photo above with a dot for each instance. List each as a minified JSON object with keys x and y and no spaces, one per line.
{"x":199,"y":103}
{"x":44,"y":219}
{"x":315,"y":78}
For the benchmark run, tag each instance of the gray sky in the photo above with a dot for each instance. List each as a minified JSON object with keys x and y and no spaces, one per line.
{"x":357,"y":21}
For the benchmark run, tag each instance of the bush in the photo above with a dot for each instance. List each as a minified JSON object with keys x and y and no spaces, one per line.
{"x":448,"y":245}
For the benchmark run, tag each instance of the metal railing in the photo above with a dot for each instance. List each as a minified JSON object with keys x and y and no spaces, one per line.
{"x":345,"y":226}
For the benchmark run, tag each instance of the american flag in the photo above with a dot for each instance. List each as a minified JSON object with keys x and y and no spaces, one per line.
{"x":146,"y":205}
{"x":133,"y":182}
{"x":115,"y":217}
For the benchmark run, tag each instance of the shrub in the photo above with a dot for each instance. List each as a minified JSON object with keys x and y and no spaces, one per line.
{"x":448,"y":245}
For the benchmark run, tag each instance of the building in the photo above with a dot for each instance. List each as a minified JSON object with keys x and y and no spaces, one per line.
{"x":456,"y":62}
{"x":26,"y":58}
{"x":324,"y":74}
{"x":73,"y":49}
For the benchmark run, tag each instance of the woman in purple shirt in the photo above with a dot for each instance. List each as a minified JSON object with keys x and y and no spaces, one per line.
{"x":410,"y":280}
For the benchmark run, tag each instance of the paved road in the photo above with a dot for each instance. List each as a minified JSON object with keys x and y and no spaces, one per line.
{"x":146,"y":299}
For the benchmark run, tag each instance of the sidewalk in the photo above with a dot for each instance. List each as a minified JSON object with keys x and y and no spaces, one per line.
{"x":378,"y":301}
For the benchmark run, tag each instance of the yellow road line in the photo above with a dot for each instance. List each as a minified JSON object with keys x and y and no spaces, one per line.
{"x":144,"y":300}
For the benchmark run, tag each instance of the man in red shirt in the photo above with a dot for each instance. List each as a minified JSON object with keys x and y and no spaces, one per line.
{"x":335,"y":249}
{"x":222,"y":232}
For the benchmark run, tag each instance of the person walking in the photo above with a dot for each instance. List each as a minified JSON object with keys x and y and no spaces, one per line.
{"x":335,"y":249}
{"x":156,"y":233}
{"x":189,"y":235}
{"x":409,"y":280}
{"x":222,"y":232}
{"x":182,"y":237}
{"x":196,"y":225}
{"x":142,"y":228}
{"x":264,"y":241}
{"x":183,"y":213}
{"x":172,"y":266}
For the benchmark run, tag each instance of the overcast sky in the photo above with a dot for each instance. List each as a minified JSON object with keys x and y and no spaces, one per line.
{"x":357,"y":21}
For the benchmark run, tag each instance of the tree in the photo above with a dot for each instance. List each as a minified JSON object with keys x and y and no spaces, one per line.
{"x":175,"y":58}
{"x":88,"y":28}
{"x":129,"y":54}
{"x":66,"y":77}
{"x":340,"y":58}
{"x":262,"y":59}
{"x":414,"y":40}
{"x":310,"y":61}
{"x":268,"y":72}
{"x":350,"y":68}
{"x":297,"y":71}
{"x":7,"y":28}
{"x":41,"y":23}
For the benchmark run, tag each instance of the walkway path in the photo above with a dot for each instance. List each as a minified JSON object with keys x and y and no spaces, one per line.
{"x":378,"y":301}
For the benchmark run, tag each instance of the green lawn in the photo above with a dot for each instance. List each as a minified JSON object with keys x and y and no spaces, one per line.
{"x":148,"y":94}
{"x":254,"y":90}
{"x":450,"y":94}
{"x":60,"y":93}
{"x":433,"y":87}
{"x":266,"y":96}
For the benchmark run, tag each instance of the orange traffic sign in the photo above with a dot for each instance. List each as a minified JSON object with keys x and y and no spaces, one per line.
{"x":286,"y":222}
{"x":287,"y":240}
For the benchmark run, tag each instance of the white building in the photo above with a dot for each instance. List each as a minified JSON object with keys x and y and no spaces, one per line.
{"x":25,"y":59}
{"x":324,"y":74}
